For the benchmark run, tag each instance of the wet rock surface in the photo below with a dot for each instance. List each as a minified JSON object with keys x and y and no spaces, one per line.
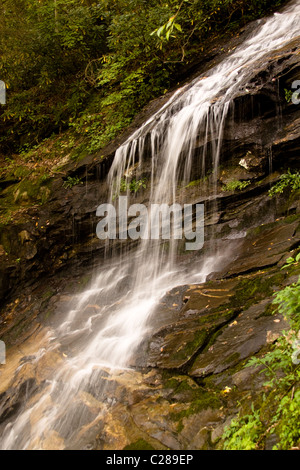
{"x":187,"y":376}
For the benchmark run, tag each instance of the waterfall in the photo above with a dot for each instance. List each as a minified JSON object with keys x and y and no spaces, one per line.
{"x":129,"y":286}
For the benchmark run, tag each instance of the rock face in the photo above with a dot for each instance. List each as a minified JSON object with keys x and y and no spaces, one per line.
{"x":188,"y":375}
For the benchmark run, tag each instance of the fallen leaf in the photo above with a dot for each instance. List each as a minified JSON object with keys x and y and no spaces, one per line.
{"x":226,"y":390}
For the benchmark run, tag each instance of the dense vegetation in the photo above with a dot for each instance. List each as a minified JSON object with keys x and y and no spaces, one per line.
{"x":90,"y":66}
{"x":278,"y":413}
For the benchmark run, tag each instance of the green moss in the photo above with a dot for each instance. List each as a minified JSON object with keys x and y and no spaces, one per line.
{"x":290,"y":219}
{"x":141,"y":444}
{"x":5,"y":240}
{"x":31,"y":190}
{"x":84,"y":281}
{"x":48,"y":294}
{"x":253,"y":232}
{"x":266,"y":227}
{"x":181,"y":383}
{"x":233,"y":358}
{"x":15,"y":332}
{"x":220,"y":313}
{"x":5,"y":218}
{"x":172,"y":383}
{"x":213,"y":338}
{"x":190,"y":347}
{"x":257,"y":287}
{"x":269,"y":310}
{"x":203,"y":400}
{"x":236,"y":185}
{"x":194,"y":183}
{"x":226,"y":230}
{"x":49,"y":313}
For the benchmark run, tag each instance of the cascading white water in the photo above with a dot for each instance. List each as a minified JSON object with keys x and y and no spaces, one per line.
{"x":107,"y":339}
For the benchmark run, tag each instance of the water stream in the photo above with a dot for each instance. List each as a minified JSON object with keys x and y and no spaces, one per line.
{"x":128,"y":288}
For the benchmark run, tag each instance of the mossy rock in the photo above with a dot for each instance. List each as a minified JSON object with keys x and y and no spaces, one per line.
{"x":141,"y":444}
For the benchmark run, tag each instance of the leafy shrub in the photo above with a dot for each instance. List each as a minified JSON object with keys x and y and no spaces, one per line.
{"x":71,"y":181}
{"x":243,"y":432}
{"x":283,"y":378}
{"x":57,"y":55}
{"x":288,"y":180}
{"x":288,"y":95}
{"x":133,"y":186}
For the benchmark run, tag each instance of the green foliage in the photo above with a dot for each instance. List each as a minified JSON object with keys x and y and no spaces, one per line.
{"x":292,"y":261}
{"x":93,"y":65}
{"x":236,"y":185}
{"x":288,"y":95}
{"x":194,"y":20}
{"x":288,"y":180}
{"x":71,"y":181}
{"x":243,"y":433}
{"x":133,"y":186}
{"x":129,"y":186}
{"x":167,"y":30}
{"x":288,"y":415}
{"x":194,"y":183}
{"x":45,"y":47}
{"x":98,"y":128}
{"x":281,"y":369}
